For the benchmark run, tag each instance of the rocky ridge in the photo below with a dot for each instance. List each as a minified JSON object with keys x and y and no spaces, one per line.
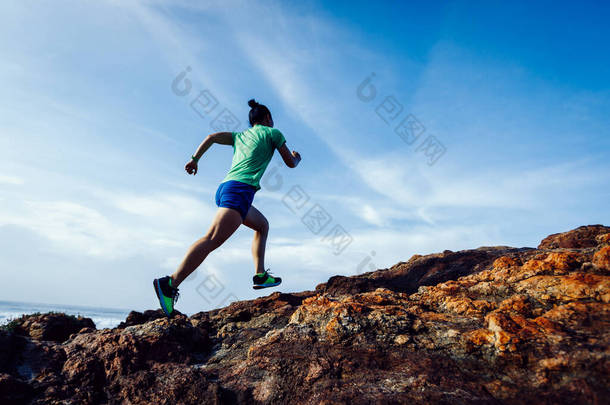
{"x":488,"y":325}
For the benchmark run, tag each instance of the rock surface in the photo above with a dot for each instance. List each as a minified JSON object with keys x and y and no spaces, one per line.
{"x":581,"y":237}
{"x":489,"y":325}
{"x":51,"y":326}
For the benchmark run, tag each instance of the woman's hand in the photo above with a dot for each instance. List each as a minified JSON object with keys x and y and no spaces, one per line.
{"x":191,"y":167}
{"x":296,"y":155}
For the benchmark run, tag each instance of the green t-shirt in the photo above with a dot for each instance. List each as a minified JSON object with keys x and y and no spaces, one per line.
{"x":252,"y":152}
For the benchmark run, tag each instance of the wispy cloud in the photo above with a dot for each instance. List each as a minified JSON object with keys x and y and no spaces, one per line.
{"x":94,"y":141}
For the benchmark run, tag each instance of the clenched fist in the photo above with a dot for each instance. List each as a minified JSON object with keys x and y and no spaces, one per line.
{"x":191,"y":167}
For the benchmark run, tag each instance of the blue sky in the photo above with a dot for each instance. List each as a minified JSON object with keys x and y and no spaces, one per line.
{"x":95,"y":203}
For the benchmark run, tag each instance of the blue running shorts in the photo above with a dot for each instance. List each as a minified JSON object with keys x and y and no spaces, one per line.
{"x":237,"y":195}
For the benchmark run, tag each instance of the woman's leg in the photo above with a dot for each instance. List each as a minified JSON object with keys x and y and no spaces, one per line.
{"x":226,"y":221}
{"x":257,"y":221}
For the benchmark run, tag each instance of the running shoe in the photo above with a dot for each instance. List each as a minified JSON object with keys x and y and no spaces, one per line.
{"x":265,"y":280}
{"x":168,"y":295}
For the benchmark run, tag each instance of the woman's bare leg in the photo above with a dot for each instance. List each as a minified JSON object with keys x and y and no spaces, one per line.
{"x":257,"y":221}
{"x":226,"y":221}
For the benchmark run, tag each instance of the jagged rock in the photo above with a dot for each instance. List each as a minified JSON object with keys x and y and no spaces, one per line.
{"x":138,"y":318}
{"x":581,"y":237}
{"x":56,"y":327}
{"x":418,"y":271}
{"x":601,"y":258}
{"x":489,"y":325}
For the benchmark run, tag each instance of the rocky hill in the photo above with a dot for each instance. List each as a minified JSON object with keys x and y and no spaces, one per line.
{"x":489,"y":325}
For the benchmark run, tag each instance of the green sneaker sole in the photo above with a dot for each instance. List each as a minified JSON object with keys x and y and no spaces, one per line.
{"x":260,"y":286}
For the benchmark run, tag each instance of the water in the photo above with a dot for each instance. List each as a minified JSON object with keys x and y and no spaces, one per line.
{"x":103,"y":317}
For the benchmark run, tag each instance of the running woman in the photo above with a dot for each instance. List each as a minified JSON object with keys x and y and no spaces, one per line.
{"x":252,"y":152}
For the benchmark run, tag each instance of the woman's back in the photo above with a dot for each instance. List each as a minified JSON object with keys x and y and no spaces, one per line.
{"x":252,"y":152}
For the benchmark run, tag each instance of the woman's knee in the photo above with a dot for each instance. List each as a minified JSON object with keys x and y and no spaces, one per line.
{"x":264,"y":227}
{"x":215,"y":244}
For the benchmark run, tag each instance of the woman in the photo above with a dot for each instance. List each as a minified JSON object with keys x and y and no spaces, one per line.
{"x":252,"y":152}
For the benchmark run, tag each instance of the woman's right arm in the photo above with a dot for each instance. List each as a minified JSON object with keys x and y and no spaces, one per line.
{"x":224,"y":138}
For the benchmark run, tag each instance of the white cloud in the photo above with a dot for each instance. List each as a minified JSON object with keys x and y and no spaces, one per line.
{"x":162,"y":207}
{"x":154,"y":223}
{"x":11,"y":180}
{"x":511,"y":188}
{"x":71,"y":226}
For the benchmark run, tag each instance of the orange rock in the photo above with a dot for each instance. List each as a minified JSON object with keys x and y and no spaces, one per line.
{"x":467,"y":306}
{"x":553,"y":263}
{"x":581,"y":237}
{"x":517,"y":303}
{"x":483,"y":306}
{"x":579,"y":315}
{"x":505,"y":262}
{"x":603,"y":239}
{"x":574,"y":286}
{"x":479,"y":336}
{"x":555,"y":363}
{"x":435,"y":317}
{"x":450,"y":287}
{"x":503,"y":327}
{"x":547,"y":324}
{"x":602,"y":257}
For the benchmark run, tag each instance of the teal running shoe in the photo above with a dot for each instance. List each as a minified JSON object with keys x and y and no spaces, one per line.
{"x":167,"y":294}
{"x":265,"y":280}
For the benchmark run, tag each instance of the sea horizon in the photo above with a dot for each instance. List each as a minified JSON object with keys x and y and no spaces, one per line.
{"x":104,"y":318}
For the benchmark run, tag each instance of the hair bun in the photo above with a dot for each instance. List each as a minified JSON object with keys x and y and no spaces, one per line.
{"x":252,"y":103}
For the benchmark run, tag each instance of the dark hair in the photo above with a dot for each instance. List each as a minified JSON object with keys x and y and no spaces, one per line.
{"x":258,"y":112}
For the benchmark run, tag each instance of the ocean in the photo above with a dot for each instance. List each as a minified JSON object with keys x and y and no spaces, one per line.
{"x":103,"y":317}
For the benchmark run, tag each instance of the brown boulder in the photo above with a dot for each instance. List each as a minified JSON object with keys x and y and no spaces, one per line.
{"x":138,"y":318}
{"x":581,"y":237}
{"x":56,"y":327}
